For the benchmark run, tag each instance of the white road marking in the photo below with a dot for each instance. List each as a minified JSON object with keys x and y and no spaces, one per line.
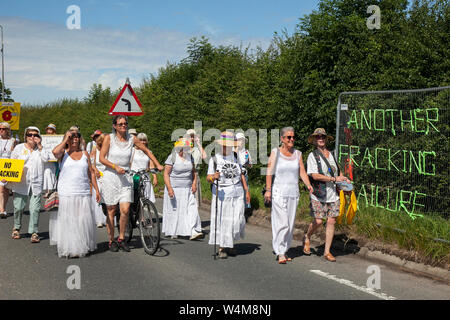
{"x":351,"y":284}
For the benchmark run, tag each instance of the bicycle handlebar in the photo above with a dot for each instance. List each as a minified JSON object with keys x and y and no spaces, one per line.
{"x":141,"y":172}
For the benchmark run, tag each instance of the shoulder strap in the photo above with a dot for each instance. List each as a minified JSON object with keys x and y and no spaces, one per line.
{"x":337,"y":164}
{"x":330,"y":169}
{"x":214,"y":163}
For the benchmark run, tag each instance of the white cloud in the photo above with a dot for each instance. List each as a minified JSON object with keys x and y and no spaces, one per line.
{"x":39,"y":54}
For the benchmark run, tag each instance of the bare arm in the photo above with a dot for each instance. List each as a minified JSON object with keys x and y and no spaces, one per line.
{"x":151,"y":165}
{"x":92,"y":178}
{"x":167,"y":171}
{"x":94,"y":161}
{"x":304,"y":176}
{"x":194,"y":180}
{"x":58,"y":151}
{"x":270,"y":168}
{"x":247,"y":192}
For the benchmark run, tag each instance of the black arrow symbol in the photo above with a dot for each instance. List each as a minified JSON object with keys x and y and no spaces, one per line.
{"x":128,"y":103}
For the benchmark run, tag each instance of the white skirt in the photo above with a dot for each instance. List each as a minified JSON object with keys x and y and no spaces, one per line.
{"x":116,"y":188}
{"x":72,"y":228}
{"x":230,"y":220}
{"x":180,"y":214}
{"x":283,"y":219}
{"x":49,"y":176}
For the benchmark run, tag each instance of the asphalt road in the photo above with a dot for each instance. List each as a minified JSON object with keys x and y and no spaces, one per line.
{"x":186,"y":270}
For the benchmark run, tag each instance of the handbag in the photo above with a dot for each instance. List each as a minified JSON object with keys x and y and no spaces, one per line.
{"x":51,"y":197}
{"x":52,"y":200}
{"x":268,"y":204}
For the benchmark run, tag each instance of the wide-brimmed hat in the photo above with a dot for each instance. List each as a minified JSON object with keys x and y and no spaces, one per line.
{"x":227,"y":139}
{"x":51,"y":126}
{"x":132,"y":131}
{"x":319,"y":132}
{"x":240,"y":135}
{"x":96,"y":133}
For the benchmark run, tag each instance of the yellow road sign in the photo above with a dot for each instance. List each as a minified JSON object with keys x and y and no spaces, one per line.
{"x":10,"y":112}
{"x":11,"y":169}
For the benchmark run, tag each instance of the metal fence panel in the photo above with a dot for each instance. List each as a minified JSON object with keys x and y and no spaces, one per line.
{"x":394,"y":145}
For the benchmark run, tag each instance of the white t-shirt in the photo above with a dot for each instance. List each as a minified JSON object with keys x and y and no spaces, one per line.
{"x":230,"y":175}
{"x":181,"y":174}
{"x":311,"y":164}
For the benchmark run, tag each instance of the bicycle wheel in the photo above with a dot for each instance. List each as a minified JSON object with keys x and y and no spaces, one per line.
{"x":149,"y":226}
{"x":128,"y":228}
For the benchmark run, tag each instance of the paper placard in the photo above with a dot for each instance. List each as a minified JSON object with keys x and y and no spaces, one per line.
{"x":11,"y":169}
{"x":50,"y":141}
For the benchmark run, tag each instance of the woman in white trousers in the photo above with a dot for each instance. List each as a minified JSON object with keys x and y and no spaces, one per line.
{"x":286,"y":164}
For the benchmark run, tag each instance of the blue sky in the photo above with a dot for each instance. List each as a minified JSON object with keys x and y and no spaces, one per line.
{"x":44,"y":61}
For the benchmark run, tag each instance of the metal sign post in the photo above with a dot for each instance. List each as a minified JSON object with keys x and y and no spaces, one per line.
{"x":3,"y":68}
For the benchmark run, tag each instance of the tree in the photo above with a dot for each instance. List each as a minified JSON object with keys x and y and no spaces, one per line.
{"x":7,"y":94}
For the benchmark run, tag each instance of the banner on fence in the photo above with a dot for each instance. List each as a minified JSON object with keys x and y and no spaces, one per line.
{"x":394,"y":146}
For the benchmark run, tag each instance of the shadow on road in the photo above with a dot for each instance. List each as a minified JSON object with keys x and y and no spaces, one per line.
{"x":341,"y":246}
{"x":205,"y":224}
{"x":246,"y":248}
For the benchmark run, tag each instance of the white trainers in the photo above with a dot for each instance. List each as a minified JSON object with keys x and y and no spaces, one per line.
{"x":196,"y":235}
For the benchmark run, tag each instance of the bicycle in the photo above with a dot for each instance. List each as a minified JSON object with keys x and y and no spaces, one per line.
{"x":143,"y":214}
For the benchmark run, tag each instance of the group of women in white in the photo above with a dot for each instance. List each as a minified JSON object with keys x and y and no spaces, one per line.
{"x":93,"y":176}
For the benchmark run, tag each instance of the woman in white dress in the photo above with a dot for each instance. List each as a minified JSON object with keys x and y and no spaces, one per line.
{"x":180,"y":211}
{"x":142,"y":162}
{"x":99,"y":168}
{"x":50,"y":166}
{"x":225,"y":167}
{"x":286,"y":164}
{"x":7,"y":144}
{"x":72,"y":228}
{"x":117,"y":188}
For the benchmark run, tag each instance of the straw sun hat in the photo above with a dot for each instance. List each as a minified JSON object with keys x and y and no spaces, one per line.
{"x":227,"y":139}
{"x":319,"y":132}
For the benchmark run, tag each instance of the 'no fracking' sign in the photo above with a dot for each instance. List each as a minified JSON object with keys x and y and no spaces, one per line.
{"x":127,"y":103}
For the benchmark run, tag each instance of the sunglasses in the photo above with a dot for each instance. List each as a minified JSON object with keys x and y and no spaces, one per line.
{"x":123,"y":124}
{"x":76,"y":135}
{"x":3,"y":129}
{"x":32,"y":135}
{"x":290,"y":137}
{"x":321,"y":137}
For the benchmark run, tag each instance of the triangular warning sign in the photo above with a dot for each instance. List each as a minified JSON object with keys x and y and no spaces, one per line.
{"x":127,"y":103}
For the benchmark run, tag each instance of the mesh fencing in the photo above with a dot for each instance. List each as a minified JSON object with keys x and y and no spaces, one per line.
{"x":394,"y":145}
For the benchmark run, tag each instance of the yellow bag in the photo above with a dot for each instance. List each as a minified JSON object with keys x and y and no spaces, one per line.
{"x":352,"y":207}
